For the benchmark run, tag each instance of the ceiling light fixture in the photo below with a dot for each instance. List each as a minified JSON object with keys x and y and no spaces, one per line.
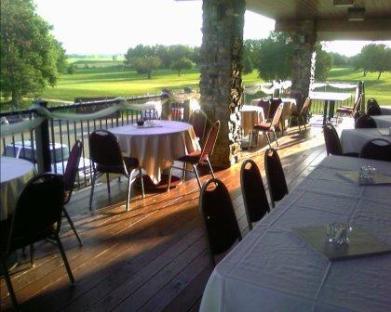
{"x":356,"y":14}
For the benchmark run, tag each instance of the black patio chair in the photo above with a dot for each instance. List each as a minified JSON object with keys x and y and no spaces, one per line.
{"x":275,"y":176}
{"x":350,"y":111}
{"x":365,"y":121}
{"x":219,"y":217}
{"x":301,"y":115}
{"x":199,"y":157}
{"x":379,"y":149}
{"x":373,"y":108}
{"x":253,"y":191}
{"x":69,"y":181}
{"x":106,"y":157}
{"x":199,"y":122}
{"x":272,"y":126}
{"x":37,"y":217}
{"x":332,"y":142}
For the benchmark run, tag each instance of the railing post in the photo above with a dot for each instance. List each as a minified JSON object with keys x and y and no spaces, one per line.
{"x":43,"y":144}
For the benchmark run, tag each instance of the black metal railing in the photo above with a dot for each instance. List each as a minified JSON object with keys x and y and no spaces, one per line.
{"x":48,"y":145}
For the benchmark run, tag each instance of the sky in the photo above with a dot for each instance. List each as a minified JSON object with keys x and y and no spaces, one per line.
{"x":113,"y":26}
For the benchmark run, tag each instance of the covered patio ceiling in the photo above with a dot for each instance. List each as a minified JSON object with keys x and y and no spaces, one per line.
{"x":330,"y":16}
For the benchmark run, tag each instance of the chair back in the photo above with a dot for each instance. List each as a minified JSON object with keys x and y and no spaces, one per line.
{"x":253,"y":191}
{"x":210,"y":141}
{"x":38,"y":208}
{"x":72,"y":167}
{"x":219,"y":217}
{"x":199,"y":120}
{"x":274,"y":104}
{"x":265,"y":104}
{"x":373,"y":108}
{"x":356,"y":106}
{"x":105,"y":150}
{"x":306,"y":107}
{"x":379,"y":149}
{"x":331,"y":138}
{"x":277,"y":116}
{"x":365,"y":121}
{"x":275,"y":175}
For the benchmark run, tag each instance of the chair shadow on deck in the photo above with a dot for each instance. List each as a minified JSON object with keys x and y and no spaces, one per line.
{"x":135,"y":254}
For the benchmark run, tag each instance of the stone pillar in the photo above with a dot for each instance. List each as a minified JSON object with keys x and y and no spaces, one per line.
{"x":221,"y":74}
{"x":303,"y":62}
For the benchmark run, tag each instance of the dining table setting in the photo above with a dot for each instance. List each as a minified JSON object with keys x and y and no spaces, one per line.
{"x":353,"y":140}
{"x":15,"y":173}
{"x":156,"y":144}
{"x":326,"y":246}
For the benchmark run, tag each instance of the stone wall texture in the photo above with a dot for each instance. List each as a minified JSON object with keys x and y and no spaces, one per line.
{"x":221,"y":74}
{"x":303,"y":63}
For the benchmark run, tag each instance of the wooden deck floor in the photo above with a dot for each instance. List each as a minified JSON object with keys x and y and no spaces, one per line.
{"x":152,"y":258}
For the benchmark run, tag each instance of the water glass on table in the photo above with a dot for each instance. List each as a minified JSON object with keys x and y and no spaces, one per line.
{"x":338,"y":233}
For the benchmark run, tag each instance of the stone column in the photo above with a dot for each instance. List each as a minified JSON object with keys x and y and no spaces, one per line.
{"x":221,"y":74}
{"x":303,"y":62}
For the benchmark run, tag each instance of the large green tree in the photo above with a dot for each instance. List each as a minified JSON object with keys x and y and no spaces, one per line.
{"x":275,"y":57}
{"x":374,"y":58}
{"x":323,"y":64}
{"x":181,"y":64}
{"x":29,"y":53}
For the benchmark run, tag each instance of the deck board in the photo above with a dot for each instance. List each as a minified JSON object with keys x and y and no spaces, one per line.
{"x":151,"y":258}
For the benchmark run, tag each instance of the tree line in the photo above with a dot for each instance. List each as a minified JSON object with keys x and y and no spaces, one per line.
{"x":145,"y":59}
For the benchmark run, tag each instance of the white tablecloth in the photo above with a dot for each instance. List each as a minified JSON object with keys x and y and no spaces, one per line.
{"x":272,"y":269}
{"x":158,"y":146}
{"x":353,"y":140}
{"x":15,"y":173}
{"x":251,"y":115}
{"x":386,"y":110}
{"x":382,"y":121}
{"x":329,"y":96}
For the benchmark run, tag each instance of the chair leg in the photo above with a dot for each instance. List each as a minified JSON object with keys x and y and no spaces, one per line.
{"x":66,"y":214}
{"x":275,"y":136}
{"x":9,"y":284}
{"x":268,"y":139}
{"x":210,"y":168}
{"x":129,"y":191}
{"x":64,"y":258}
{"x":142,"y":182}
{"x":184,"y":172}
{"x":32,"y":254}
{"x":169,"y":179}
{"x":92,"y":189}
{"x":108,"y":185}
{"x":197,"y":176}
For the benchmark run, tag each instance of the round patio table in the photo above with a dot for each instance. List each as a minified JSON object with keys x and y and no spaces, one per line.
{"x":15,"y":173}
{"x":156,"y":144}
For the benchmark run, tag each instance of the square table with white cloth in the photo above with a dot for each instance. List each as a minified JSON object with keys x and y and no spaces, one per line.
{"x":329,"y":99}
{"x":385,"y":110}
{"x":382,"y":121}
{"x":273,"y":269}
{"x":353,"y":140}
{"x":156,"y":145}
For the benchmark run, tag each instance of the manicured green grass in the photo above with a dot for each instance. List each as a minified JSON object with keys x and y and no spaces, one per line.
{"x":379,"y":89}
{"x":120,"y":81}
{"x":106,"y":77}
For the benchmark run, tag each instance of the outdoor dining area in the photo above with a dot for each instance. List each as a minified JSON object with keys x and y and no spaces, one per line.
{"x":303,"y":214}
{"x":206,"y":201}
